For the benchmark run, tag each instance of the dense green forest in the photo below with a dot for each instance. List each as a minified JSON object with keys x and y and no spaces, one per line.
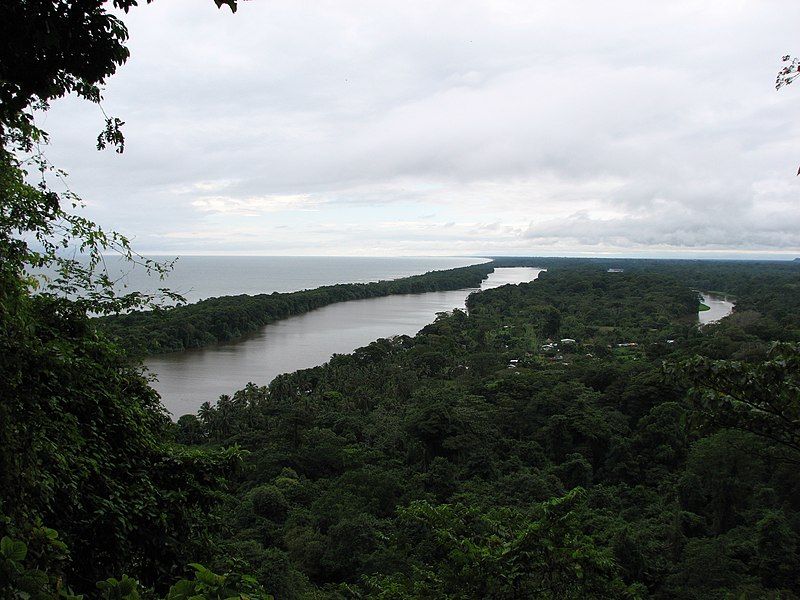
{"x":230,"y":317}
{"x":767,"y":284}
{"x":576,"y":437}
{"x":474,"y":461}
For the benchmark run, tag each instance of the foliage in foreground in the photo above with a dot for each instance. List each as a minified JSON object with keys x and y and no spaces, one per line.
{"x":33,"y":570}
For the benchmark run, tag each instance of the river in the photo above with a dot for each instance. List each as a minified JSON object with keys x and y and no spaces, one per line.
{"x":720,"y":306}
{"x":187,"y":379}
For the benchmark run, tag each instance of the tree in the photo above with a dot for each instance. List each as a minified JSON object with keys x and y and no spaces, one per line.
{"x":761,"y":398}
{"x":789,"y":72}
{"x":51,"y":48}
{"x":85,"y":445}
{"x":464,"y":552}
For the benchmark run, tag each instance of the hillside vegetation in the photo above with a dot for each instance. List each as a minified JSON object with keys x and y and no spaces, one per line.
{"x":491,"y":456}
{"x":574,"y":437}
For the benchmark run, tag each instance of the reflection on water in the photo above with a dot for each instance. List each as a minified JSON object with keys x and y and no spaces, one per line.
{"x":720,"y":306}
{"x":187,"y":379}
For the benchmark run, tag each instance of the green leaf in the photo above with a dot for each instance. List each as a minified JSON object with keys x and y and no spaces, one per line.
{"x":13,"y":549}
{"x":182,"y":589}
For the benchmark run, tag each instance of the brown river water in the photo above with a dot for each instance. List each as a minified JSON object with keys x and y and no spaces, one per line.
{"x":187,"y":379}
{"x":721,"y":306}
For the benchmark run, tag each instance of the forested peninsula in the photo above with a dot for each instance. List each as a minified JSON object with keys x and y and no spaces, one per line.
{"x":574,"y":437}
{"x":230,"y":317}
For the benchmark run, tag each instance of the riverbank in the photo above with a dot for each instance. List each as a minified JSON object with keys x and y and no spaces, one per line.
{"x":228,"y":318}
{"x":187,"y":379}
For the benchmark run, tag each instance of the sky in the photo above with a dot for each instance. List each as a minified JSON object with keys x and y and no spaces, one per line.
{"x":455,"y":128}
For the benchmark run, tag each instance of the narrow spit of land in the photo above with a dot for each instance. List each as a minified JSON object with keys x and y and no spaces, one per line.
{"x":227,"y":318}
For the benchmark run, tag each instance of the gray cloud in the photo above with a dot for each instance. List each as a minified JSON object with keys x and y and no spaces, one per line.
{"x":520,"y":126}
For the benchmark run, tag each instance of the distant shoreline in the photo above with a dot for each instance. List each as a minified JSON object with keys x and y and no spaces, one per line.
{"x":227,"y":318}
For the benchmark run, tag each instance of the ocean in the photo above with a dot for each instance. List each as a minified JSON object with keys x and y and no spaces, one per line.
{"x":200,"y":277}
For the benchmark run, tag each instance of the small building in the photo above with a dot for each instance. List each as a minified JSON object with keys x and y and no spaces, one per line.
{"x":568,"y":341}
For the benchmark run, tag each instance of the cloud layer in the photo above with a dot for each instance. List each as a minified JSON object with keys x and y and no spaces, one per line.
{"x":448,"y":128}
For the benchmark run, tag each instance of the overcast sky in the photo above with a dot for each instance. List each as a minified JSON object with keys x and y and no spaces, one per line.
{"x":448,"y":128}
